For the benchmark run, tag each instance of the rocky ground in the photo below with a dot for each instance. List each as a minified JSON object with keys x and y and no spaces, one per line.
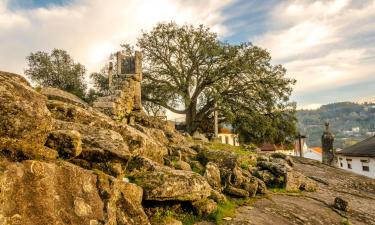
{"x":315,"y":207}
{"x":63,"y":162}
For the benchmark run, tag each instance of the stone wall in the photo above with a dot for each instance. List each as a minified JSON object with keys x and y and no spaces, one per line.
{"x":125,"y":88}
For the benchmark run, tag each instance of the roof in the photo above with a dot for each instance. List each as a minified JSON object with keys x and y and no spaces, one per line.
{"x":365,"y":148}
{"x":317,"y":149}
{"x":224,"y":130}
{"x":268,"y":147}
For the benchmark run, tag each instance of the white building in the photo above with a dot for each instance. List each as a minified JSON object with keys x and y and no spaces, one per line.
{"x":227,"y":137}
{"x":313,"y":153}
{"x":359,"y":158}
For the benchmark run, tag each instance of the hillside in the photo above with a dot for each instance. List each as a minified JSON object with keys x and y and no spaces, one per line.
{"x":350,"y":122}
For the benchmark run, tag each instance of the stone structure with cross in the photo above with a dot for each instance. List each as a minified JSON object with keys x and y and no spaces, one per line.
{"x":328,"y":154}
{"x":124,"y":82}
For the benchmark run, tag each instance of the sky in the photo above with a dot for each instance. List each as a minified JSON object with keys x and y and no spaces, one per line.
{"x":328,"y":46}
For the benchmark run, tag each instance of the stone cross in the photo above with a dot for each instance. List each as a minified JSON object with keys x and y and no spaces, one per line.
{"x":328,"y":155}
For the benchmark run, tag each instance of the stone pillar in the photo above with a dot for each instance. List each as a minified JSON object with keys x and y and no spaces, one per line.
{"x":138,"y":80}
{"x":328,"y":155}
{"x":216,"y":121}
{"x":119,"y":58}
{"x":110,"y":74}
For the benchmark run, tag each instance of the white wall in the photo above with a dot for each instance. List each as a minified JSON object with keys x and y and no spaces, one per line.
{"x":232,"y":140}
{"x":357,"y":165}
{"x":311,"y":154}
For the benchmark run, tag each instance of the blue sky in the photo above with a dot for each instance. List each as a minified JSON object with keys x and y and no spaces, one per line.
{"x":328,"y":46}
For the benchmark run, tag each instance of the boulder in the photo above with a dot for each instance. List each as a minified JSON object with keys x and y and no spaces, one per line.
{"x":238,"y":192}
{"x":183,"y":152}
{"x":19,"y":150}
{"x":57,"y":94}
{"x":142,"y":144}
{"x":23,"y":112}
{"x":296,"y":181}
{"x":68,"y":143}
{"x":262,"y":187}
{"x":212,"y":175}
{"x":181,"y":165}
{"x":196,"y":166}
{"x":98,"y":145}
{"x":200,"y":137}
{"x":123,"y":201}
{"x":221,"y":158}
{"x":168,"y":184}
{"x":72,"y":113}
{"x":34,"y":192}
{"x":217,"y":196}
{"x":205,"y":207}
{"x":341,"y":204}
{"x":279,"y":168}
{"x":267,"y":177}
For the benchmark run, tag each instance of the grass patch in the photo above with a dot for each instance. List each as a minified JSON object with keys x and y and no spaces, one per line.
{"x":345,"y":222}
{"x":227,"y":209}
{"x":229,"y":148}
{"x":283,"y":190}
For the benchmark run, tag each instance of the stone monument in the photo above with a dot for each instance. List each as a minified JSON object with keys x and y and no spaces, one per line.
{"x":124,"y":87}
{"x":328,"y":154}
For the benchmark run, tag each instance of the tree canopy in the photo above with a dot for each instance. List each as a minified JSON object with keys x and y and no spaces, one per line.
{"x":58,"y":70}
{"x":189,"y":71}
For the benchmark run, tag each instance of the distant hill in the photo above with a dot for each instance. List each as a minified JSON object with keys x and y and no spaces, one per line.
{"x":350,"y":122}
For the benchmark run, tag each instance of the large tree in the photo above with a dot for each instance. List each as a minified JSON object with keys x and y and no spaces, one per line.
{"x":58,"y":70}
{"x":189,"y":71}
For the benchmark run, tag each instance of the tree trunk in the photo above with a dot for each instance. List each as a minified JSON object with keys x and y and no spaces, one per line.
{"x":190,"y":118}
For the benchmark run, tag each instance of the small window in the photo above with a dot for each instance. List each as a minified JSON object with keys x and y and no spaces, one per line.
{"x":341,"y":164}
{"x":365,"y":165}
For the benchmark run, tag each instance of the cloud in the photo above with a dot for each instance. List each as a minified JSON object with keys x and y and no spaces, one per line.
{"x":323,"y":44}
{"x":91,"y":29}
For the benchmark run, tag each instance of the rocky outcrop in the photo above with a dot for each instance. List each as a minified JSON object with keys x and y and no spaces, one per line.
{"x":212,"y":175}
{"x":63,"y":162}
{"x":68,"y":143}
{"x":25,"y":119}
{"x":63,"y":96}
{"x":34,"y":192}
{"x":167,"y":184}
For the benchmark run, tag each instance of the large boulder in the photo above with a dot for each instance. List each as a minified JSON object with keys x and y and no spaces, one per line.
{"x":141,"y":144}
{"x":168,"y":184}
{"x":57,"y":94}
{"x":23,"y":112}
{"x":34,"y":192}
{"x":98,"y":145}
{"x":141,"y":141}
{"x":205,"y":207}
{"x":295,"y":181}
{"x":212,"y":175}
{"x":67,"y":142}
{"x":123,"y":201}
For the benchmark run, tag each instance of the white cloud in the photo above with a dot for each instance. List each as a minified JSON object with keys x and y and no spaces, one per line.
{"x":321,"y":43}
{"x":91,"y":29}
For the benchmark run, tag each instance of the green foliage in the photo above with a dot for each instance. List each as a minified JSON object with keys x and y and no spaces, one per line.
{"x":342,"y":116}
{"x":227,"y":209}
{"x":189,"y":71}
{"x":278,"y":126}
{"x":58,"y":70}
